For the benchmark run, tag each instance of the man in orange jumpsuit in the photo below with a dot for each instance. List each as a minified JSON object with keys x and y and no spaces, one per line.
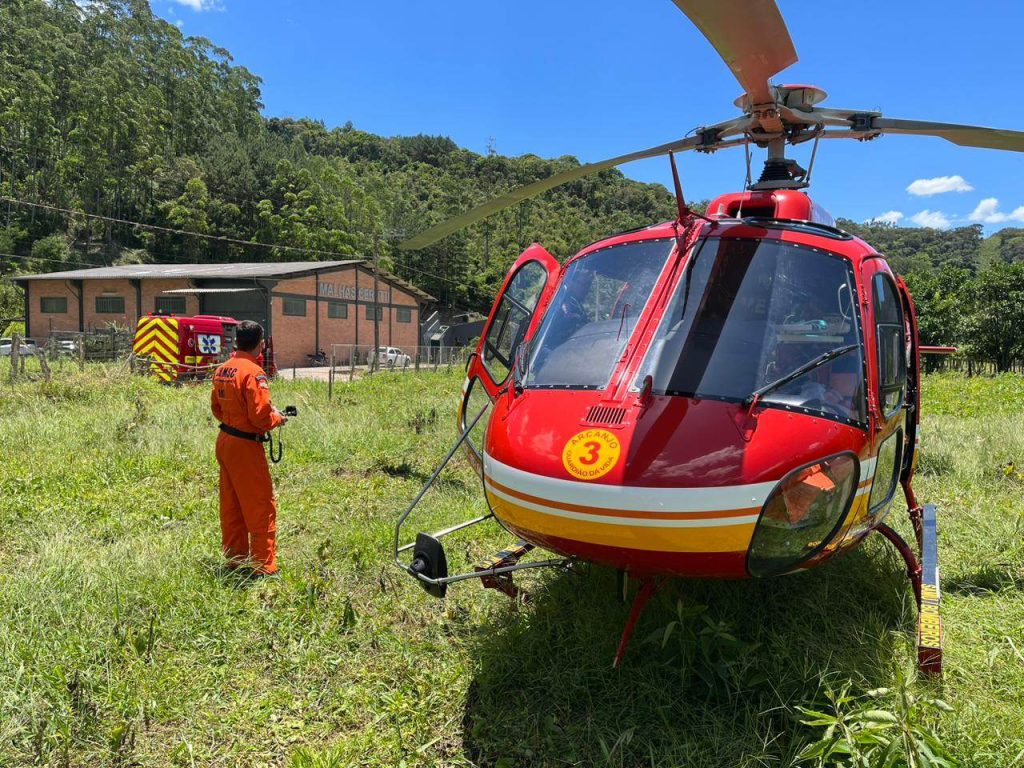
{"x":241,"y":403}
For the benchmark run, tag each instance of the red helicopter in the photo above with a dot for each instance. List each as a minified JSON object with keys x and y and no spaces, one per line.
{"x":728,"y":395}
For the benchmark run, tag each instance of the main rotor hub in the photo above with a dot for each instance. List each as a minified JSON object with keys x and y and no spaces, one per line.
{"x":801,"y":97}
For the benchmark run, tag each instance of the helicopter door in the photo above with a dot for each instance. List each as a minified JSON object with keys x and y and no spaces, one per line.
{"x":888,"y":386}
{"x":528,"y":286}
{"x":913,"y":383}
{"x":529,"y":283}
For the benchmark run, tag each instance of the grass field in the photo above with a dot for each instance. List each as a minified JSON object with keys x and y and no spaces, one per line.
{"x":123,"y":643}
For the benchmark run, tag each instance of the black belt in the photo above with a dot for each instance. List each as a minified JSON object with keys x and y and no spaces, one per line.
{"x":254,"y":436}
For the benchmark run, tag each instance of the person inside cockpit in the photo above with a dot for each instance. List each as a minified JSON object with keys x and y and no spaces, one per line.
{"x":817,"y":325}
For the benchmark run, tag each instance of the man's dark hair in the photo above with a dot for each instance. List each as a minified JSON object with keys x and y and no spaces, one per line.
{"x":248,"y":336}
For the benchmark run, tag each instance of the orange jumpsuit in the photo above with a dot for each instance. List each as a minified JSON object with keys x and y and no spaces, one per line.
{"x":248,"y":510}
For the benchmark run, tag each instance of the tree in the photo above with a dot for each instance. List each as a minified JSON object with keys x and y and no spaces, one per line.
{"x":937,"y":300}
{"x":50,"y":254}
{"x":994,"y":315}
{"x":12,"y":302}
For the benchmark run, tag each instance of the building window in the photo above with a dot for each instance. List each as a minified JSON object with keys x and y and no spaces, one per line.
{"x":296,"y":307}
{"x":53,"y":305}
{"x":403,"y":315}
{"x":337,"y":310}
{"x":110,"y":305}
{"x":172,"y":305}
{"x":370,"y":312}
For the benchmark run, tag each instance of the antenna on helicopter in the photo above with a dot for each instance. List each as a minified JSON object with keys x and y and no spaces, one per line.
{"x":680,"y":202}
{"x":684,"y":210}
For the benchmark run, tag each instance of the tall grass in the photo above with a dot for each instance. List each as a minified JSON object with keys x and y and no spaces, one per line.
{"x":123,"y":642}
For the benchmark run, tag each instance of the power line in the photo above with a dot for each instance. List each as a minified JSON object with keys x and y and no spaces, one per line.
{"x":52,"y":261}
{"x":169,"y":230}
{"x":188,"y":233}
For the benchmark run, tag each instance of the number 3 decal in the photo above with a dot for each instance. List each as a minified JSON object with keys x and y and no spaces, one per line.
{"x":593,"y":454}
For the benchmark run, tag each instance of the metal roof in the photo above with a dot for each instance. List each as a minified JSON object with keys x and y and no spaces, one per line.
{"x":203,"y":291}
{"x":226,"y":271}
{"x":250,"y":271}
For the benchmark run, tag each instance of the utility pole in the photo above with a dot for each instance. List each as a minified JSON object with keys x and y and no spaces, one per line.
{"x":376,"y":305}
{"x":394,"y":233}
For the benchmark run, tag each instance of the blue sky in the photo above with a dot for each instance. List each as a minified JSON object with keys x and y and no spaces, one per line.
{"x":601,"y":78}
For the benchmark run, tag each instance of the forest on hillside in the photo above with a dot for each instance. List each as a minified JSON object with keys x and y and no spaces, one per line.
{"x":110,"y":111}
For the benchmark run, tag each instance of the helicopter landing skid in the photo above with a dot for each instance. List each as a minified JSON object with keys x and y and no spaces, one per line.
{"x":924,"y":575}
{"x":648,"y":588}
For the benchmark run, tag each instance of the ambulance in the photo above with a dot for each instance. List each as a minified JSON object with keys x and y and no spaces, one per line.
{"x":172,"y":348}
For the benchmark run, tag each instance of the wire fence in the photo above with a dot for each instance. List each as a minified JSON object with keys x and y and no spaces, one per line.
{"x":969,"y":366}
{"x":68,"y":351}
{"x":34,"y":359}
{"x":351,"y":361}
{"x":102,"y":345}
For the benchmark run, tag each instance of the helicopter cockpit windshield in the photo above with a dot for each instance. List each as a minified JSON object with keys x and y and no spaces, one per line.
{"x":747,"y":315}
{"x":593,"y":315}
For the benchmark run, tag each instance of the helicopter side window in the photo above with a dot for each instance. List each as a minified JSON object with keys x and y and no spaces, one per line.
{"x":512,"y":318}
{"x":749,"y":316}
{"x":593,"y":314}
{"x":887,"y":469}
{"x":892,"y":361}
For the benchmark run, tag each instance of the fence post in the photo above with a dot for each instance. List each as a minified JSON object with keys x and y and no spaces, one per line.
{"x":352,"y":364}
{"x":416,"y":364}
{"x":81,"y":352}
{"x":330,"y":378}
{"x":43,"y":365}
{"x":15,"y":355}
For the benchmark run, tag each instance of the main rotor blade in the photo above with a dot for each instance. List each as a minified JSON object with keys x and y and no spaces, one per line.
{"x":964,"y":135}
{"x":750,"y":36}
{"x":445,"y":228}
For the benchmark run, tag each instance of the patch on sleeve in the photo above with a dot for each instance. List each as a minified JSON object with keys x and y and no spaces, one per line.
{"x":263,"y":382}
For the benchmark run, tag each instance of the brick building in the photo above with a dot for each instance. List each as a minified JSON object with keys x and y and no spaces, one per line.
{"x":304,"y":306}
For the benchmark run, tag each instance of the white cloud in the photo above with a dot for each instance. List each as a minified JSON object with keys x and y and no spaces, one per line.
{"x":936,"y":186}
{"x":889,"y":217}
{"x":988,"y":212}
{"x":932,"y":219}
{"x":198,"y":5}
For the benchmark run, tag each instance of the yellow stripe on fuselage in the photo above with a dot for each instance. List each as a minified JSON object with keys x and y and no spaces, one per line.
{"x":712,"y":535}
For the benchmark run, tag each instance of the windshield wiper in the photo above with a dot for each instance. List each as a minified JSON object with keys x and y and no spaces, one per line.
{"x":818,"y":361}
{"x":521,"y":367}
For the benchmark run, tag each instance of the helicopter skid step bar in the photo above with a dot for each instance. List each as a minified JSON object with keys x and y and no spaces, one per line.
{"x":429,"y":564}
{"x":503,"y":582}
{"x":924,"y":576}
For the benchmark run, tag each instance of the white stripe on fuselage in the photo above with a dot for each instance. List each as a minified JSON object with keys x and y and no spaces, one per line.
{"x":643,"y":522}
{"x":631,"y":498}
